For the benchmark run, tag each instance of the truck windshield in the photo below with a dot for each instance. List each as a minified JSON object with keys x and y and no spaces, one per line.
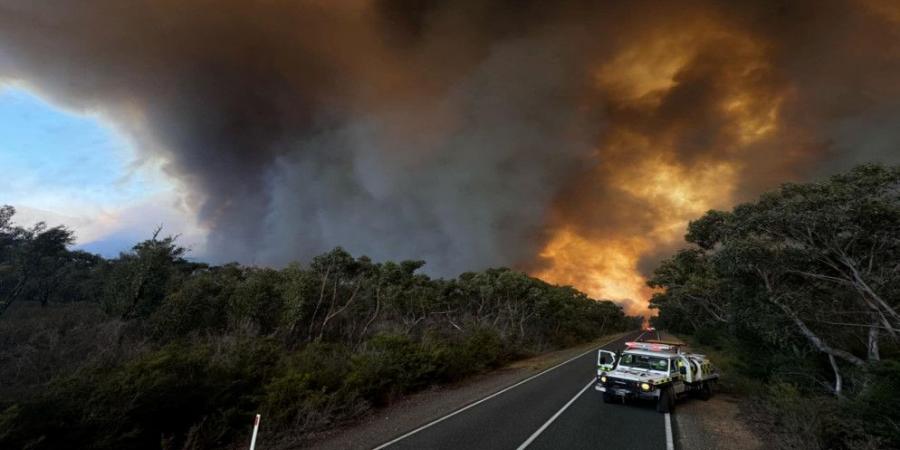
{"x":644,"y":362}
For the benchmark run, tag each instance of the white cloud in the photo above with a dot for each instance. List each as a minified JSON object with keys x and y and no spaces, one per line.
{"x":111,"y":230}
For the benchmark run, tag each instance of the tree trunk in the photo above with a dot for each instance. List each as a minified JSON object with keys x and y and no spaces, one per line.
{"x":838,"y":381}
{"x":334,"y":314}
{"x":709,"y":309}
{"x":365,"y":329}
{"x":136,"y":293}
{"x":312,"y":320}
{"x":815,"y":340}
{"x":874,"y":354}
{"x":867,"y":290}
{"x":14,"y":293}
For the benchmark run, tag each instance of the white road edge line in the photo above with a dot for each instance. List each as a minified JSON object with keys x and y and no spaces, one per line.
{"x":558,"y":413}
{"x":639,"y":337}
{"x":670,"y":441}
{"x":470,"y":405}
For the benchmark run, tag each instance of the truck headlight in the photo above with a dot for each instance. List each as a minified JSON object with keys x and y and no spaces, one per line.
{"x":645,"y":386}
{"x":603,"y":378}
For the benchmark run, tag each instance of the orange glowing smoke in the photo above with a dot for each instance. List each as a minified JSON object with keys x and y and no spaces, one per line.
{"x":642,"y":158}
{"x":608,"y":268}
{"x":604,"y":269}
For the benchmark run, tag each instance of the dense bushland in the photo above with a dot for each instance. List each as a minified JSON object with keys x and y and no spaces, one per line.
{"x":800,"y":291}
{"x":152,"y":350}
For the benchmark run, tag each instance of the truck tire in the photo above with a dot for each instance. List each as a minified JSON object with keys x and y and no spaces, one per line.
{"x":705,"y":391}
{"x":672,"y":399}
{"x":666,"y":401}
{"x":608,"y":398}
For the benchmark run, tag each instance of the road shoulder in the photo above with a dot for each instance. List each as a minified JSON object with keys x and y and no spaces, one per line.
{"x":713,"y":424}
{"x":420,"y":408}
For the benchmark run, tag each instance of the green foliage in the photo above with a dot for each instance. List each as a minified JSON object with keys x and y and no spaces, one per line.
{"x":395,"y":364}
{"x":138,"y":281}
{"x":34,"y":262}
{"x":803,"y":286}
{"x":150,"y":350}
{"x":200,"y":305}
{"x":184,"y":394}
{"x":877,"y":405}
{"x":391,"y":364}
{"x":310,"y":389}
{"x":257,"y":300}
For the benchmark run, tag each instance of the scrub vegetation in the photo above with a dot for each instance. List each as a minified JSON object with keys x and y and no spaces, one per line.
{"x":798,"y":296}
{"x":151,"y":349}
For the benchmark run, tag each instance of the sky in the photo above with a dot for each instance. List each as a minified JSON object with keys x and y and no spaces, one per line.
{"x":71,"y":168}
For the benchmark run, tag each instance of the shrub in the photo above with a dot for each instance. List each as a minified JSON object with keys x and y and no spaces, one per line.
{"x":455,"y":357}
{"x":182,"y":394}
{"x":878,"y":405}
{"x":391,"y":364}
{"x":309,"y":390}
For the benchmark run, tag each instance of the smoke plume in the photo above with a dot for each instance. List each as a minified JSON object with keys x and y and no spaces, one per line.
{"x":571,"y":139}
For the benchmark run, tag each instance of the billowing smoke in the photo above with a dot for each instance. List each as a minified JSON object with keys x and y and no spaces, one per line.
{"x":573,"y":139}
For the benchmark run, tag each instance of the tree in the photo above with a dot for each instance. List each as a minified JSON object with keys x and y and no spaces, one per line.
{"x":139,"y":280}
{"x":341,"y":279}
{"x":820,"y":259}
{"x":692,"y":288}
{"x":30,"y":259}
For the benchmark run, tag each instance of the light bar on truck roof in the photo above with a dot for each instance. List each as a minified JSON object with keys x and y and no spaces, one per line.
{"x":654,"y":341}
{"x":651,"y":346}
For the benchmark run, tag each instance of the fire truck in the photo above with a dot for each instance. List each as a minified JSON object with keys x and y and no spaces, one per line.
{"x":654,"y":370}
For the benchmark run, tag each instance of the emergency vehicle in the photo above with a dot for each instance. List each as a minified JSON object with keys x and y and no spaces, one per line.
{"x":654,"y":370}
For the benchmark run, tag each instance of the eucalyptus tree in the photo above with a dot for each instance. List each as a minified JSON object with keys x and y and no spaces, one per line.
{"x":138,"y":281}
{"x":818,"y":261}
{"x":31,"y":259}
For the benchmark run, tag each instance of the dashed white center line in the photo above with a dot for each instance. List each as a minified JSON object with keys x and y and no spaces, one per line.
{"x":558,"y":413}
{"x":670,"y":441}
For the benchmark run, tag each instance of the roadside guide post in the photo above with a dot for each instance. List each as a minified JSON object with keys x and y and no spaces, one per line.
{"x":255,"y":430}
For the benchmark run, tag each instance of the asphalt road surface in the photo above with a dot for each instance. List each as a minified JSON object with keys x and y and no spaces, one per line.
{"x":555,"y":409}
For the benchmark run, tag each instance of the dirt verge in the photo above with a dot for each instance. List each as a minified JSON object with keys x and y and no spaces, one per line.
{"x":713,"y":424}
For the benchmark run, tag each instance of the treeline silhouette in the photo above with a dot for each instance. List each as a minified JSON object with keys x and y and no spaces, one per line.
{"x":151,"y":350}
{"x":799,"y":293}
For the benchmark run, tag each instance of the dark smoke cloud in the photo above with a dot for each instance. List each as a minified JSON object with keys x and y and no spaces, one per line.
{"x":462,"y":132}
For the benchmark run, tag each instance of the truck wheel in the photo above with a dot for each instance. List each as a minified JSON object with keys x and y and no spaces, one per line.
{"x":705,"y":391}
{"x":666,"y":401}
{"x":672,"y":399}
{"x":608,"y":398}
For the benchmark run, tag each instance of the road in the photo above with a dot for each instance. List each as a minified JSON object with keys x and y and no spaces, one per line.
{"x":555,"y":409}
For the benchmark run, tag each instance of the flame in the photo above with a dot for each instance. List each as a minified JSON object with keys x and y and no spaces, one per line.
{"x":608,"y":268}
{"x":644,"y":167}
{"x":603,"y":269}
